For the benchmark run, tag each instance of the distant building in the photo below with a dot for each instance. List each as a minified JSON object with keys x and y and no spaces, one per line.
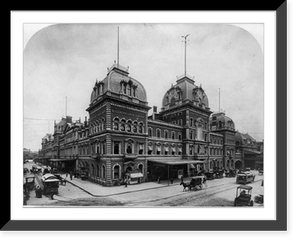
{"x":250,"y":152}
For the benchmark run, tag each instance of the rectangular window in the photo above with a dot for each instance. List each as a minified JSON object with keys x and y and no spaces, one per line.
{"x":103,"y":148}
{"x":116,"y":147}
{"x":141,"y":148}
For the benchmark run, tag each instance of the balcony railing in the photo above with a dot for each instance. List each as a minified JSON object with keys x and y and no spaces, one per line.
{"x":95,"y":156}
{"x":130,"y":156}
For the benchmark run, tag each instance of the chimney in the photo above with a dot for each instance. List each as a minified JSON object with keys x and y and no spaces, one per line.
{"x":154,"y":112}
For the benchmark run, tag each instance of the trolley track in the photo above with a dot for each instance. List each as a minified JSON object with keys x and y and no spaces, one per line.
{"x":188,"y":196}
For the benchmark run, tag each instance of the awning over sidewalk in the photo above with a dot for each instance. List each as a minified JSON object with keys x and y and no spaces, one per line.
{"x":176,"y":161}
{"x":61,"y":159}
{"x":252,"y":152}
{"x":136,"y":175}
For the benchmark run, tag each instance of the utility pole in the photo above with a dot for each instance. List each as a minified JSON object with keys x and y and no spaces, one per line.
{"x":66,"y":106}
{"x":185,"y":37}
{"x":219,"y":101}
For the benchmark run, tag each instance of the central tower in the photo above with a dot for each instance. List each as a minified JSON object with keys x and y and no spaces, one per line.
{"x":186,"y":104}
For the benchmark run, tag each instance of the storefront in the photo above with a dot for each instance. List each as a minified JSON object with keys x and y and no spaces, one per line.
{"x":134,"y":177}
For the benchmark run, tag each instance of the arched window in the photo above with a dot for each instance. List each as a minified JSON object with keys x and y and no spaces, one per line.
{"x":103,"y":148}
{"x":191,"y":149}
{"x":158,"y":149}
{"x":134,"y":127}
{"x":141,"y":148}
{"x":97,"y":147}
{"x":129,"y":148}
{"x":166,"y":134}
{"x":122,"y":125}
{"x":116,"y":172}
{"x":98,"y":171}
{"x":117,"y":147}
{"x":179,"y":136}
{"x":173,"y":150}
{"x":173,"y":135}
{"x":191,"y":121}
{"x":191,"y":134}
{"x":141,"y":168}
{"x":103,"y":172}
{"x":124,"y":88}
{"x":141,"y":125}
{"x":128,"y":126}
{"x":150,"y":148}
{"x":150,"y":132}
{"x":116,"y":124}
{"x":173,"y":101}
{"x":158,"y":133}
{"x":166,"y":149}
{"x":93,"y":170}
{"x":179,"y":150}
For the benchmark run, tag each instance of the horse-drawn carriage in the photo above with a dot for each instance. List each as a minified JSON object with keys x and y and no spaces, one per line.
{"x":219,"y":173}
{"x":196,"y":183}
{"x":29,"y":182}
{"x":230,"y":173}
{"x":210,"y":175}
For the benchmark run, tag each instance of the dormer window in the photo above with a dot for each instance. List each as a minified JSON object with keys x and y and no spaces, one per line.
{"x":124,"y":87}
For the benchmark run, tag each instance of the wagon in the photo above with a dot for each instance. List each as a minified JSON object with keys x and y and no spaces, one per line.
{"x":197,"y":182}
{"x":210,"y":175}
{"x":29,"y":182}
{"x":243,"y":196}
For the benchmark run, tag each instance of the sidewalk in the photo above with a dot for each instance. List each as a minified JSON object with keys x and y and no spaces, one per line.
{"x":97,"y":190}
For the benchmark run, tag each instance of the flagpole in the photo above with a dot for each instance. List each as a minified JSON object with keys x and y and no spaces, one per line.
{"x":118,"y":49}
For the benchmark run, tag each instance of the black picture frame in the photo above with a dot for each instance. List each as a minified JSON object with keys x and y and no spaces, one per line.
{"x":280,"y":224}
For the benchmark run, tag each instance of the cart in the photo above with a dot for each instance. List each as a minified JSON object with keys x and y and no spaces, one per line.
{"x":243,"y":196}
{"x":197,"y":182}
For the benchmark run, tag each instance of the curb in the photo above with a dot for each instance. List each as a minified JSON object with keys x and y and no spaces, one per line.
{"x":120,"y":193}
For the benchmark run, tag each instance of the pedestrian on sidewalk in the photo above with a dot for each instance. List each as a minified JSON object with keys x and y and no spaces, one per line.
{"x":67,"y":175}
{"x":71,"y":175}
{"x":171,"y":180}
{"x":126,"y":182}
{"x":158,"y":180}
{"x":181,"y":179}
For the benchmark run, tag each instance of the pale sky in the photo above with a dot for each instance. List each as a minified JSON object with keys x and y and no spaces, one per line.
{"x":65,"y":60}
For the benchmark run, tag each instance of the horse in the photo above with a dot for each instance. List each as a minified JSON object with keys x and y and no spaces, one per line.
{"x":185,"y":185}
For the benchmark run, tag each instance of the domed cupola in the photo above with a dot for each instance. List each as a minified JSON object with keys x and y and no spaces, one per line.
{"x":118,"y":83}
{"x":219,"y":121}
{"x":185,"y":91}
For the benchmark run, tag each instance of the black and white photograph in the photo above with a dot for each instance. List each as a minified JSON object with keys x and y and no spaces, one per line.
{"x":163,"y":115}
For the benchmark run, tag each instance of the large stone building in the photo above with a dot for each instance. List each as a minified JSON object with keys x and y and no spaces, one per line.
{"x":121,"y":140}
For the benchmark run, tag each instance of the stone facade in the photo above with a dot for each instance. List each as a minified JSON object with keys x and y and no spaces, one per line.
{"x":120,"y":141}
